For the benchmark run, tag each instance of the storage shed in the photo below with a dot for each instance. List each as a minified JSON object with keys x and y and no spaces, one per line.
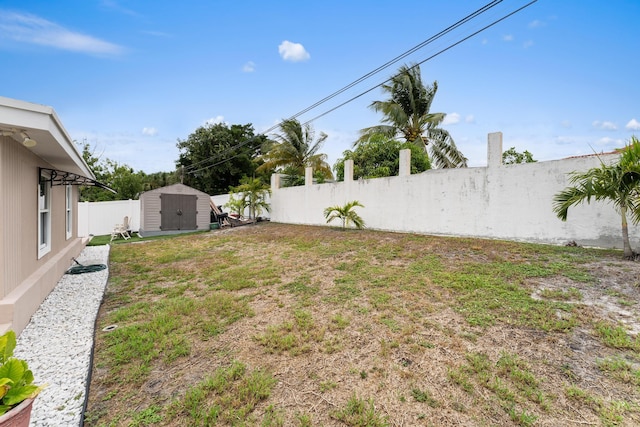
{"x":174,"y":209}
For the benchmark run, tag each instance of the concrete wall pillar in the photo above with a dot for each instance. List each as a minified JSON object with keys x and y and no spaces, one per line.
{"x":308,"y":176}
{"x":405,"y":162}
{"x":494,"y":149}
{"x":275,"y":181}
{"x":348,"y":170}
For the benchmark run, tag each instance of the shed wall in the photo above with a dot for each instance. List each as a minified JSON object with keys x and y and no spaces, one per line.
{"x":151,"y":206}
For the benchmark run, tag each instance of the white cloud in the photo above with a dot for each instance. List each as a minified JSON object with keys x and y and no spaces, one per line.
{"x":293,"y":52}
{"x":249,"y":67}
{"x":451,"y":119}
{"x":604,"y":125}
{"x":564,"y":140}
{"x":156,"y":33}
{"x":470,"y":119}
{"x":507,"y":38}
{"x":149,"y":131}
{"x":565,"y":124}
{"x":633,"y":125}
{"x":27,"y":28}
{"x":608,"y":142}
{"x":536,"y":24}
{"x":117,"y":7}
{"x":527,"y":44}
{"x":214,"y":120}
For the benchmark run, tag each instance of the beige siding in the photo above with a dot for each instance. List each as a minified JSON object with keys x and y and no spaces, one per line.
{"x":26,"y":280}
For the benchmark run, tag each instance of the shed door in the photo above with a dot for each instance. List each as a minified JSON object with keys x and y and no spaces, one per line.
{"x":178,"y":211}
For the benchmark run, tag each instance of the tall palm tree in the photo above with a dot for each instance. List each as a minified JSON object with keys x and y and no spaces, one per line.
{"x":346,"y":214}
{"x":618,"y":183}
{"x":407,"y":114}
{"x":295,"y":149}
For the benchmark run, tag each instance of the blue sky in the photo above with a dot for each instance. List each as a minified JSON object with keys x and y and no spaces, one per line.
{"x":559,"y":78}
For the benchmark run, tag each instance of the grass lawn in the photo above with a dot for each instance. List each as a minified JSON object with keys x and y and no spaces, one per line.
{"x":285,"y":325}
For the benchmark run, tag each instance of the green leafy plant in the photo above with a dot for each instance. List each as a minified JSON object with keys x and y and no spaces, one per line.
{"x":16,"y":380}
{"x":618,"y":184}
{"x":252,"y":193}
{"x":346,"y":214}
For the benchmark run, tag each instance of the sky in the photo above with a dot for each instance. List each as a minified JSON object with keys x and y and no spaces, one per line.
{"x":558,"y":78}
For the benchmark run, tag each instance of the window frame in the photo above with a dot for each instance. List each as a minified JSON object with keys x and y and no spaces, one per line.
{"x":44,"y":215}
{"x":68,"y":214}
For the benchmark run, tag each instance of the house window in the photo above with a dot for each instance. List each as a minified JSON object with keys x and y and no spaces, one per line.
{"x":69,"y":211}
{"x":44,"y":216}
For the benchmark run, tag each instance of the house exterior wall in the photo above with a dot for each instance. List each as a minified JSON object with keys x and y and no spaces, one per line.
{"x":150,"y":207}
{"x":26,"y":280}
{"x":511,"y":202}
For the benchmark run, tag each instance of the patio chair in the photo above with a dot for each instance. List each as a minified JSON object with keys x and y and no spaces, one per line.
{"x":121,"y":230}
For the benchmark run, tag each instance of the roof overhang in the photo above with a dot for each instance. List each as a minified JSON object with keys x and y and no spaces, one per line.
{"x":42,"y":125}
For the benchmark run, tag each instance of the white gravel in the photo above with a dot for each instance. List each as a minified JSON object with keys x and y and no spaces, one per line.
{"x":58,"y":341}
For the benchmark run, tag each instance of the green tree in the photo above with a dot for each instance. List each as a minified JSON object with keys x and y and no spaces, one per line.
{"x":216,"y":157}
{"x":346,"y":214}
{"x":407,"y":114}
{"x":121,"y":178}
{"x":379,"y":156}
{"x":511,"y":156}
{"x":125,"y":181}
{"x":295,"y":149}
{"x":159,"y":179}
{"x":253,"y":193}
{"x":618,"y":183}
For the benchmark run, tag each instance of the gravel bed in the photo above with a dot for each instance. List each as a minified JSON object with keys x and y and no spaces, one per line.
{"x":57,"y":343}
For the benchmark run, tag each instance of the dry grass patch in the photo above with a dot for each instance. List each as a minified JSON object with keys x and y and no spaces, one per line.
{"x":282,"y":325}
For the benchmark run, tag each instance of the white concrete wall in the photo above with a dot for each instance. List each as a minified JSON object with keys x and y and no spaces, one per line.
{"x":511,"y":202}
{"x":223,"y":199}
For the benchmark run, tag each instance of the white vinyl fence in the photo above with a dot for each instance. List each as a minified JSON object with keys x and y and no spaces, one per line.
{"x":99,"y":218}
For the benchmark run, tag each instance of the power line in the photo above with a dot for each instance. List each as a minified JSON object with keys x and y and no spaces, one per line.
{"x":402,"y":56}
{"x":366,"y":76}
{"x":414,"y":49}
{"x":425,"y":60}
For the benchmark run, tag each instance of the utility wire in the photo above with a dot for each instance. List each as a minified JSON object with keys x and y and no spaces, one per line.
{"x":414,"y":49}
{"x":402,"y":56}
{"x":387,"y":64}
{"x":423,"y":61}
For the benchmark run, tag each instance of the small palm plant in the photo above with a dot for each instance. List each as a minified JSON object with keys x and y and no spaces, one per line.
{"x":346,"y":214}
{"x":252,"y":194}
{"x":618,"y":183}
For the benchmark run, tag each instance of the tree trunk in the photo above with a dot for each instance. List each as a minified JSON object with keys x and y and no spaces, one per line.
{"x":628,"y":253}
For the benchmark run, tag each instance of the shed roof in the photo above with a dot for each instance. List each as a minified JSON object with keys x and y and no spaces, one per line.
{"x":175,"y":188}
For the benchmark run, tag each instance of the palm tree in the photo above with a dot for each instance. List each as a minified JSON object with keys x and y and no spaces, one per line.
{"x":253,"y":194}
{"x":346,"y":214}
{"x":295,"y":150}
{"x":407,"y":114}
{"x":618,"y":183}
